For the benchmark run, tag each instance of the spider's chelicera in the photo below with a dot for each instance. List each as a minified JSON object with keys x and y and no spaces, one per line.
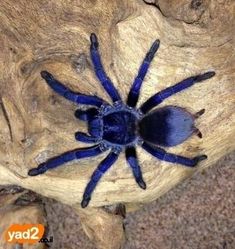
{"x":122,"y":126}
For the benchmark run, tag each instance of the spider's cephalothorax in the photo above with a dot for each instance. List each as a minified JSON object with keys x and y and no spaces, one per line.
{"x":122,"y":126}
{"x":117,"y":126}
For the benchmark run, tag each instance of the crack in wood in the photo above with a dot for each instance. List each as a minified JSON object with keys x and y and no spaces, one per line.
{"x":6,"y":117}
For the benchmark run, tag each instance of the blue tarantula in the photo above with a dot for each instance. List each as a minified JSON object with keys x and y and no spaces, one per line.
{"x":122,"y":126}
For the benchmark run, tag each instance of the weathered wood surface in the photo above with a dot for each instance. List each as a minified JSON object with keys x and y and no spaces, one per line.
{"x":19,"y":208}
{"x":36,"y":124}
{"x":104,"y":228}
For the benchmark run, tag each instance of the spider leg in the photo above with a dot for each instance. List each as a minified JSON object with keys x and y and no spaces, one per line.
{"x":86,"y":115}
{"x":99,"y":70}
{"x":133,"y":162}
{"x":135,"y":88}
{"x":97,"y":174}
{"x":169,"y":157}
{"x":67,"y":93}
{"x":83,"y":137}
{"x":64,"y":158}
{"x":169,"y":91}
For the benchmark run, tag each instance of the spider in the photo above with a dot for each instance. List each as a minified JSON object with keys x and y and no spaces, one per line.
{"x":121,"y":126}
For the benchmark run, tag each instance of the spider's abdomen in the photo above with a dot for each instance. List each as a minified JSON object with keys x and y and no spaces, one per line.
{"x":167,"y":126}
{"x":119,"y":127}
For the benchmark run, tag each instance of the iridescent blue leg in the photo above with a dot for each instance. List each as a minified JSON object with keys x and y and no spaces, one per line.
{"x":64,"y":158}
{"x":83,"y":137}
{"x":169,"y":91}
{"x":65,"y":92}
{"x":161,"y":154}
{"x":86,"y":115}
{"x":133,"y":162}
{"x":97,"y":174}
{"x":135,"y":88}
{"x":99,"y":70}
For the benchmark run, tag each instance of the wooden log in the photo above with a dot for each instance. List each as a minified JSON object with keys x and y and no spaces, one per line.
{"x":19,"y":208}
{"x":104,"y":227}
{"x":36,"y":124}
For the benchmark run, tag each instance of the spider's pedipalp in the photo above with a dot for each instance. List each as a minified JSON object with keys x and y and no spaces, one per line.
{"x":86,"y":115}
{"x":64,"y":158}
{"x":83,"y":137}
{"x":95,"y":127}
{"x":67,"y":93}
{"x":133,"y":95}
{"x":132,"y":160}
{"x":169,"y":91}
{"x":161,"y":154}
{"x":97,"y":174}
{"x":99,"y":70}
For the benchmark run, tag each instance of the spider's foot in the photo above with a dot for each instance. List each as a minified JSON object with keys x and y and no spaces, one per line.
{"x":46,"y":75}
{"x":153,"y":50}
{"x":198,"y":159}
{"x":199,"y":113}
{"x":155,"y":46}
{"x":141,"y":183}
{"x":37,"y":171}
{"x":33,"y":172}
{"x":85,"y":201}
{"x":94,"y":41}
{"x":205,"y":76}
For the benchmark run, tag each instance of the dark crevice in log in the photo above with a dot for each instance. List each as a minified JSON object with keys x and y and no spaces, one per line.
{"x":156,"y":6}
{"x":6,"y":117}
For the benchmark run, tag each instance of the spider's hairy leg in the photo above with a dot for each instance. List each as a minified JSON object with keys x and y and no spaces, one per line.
{"x":86,"y":115}
{"x":83,"y":137}
{"x":161,"y":154}
{"x":135,"y":88}
{"x":64,"y":158}
{"x":67,"y":93}
{"x":169,"y":91}
{"x":99,"y":70}
{"x":97,"y":174}
{"x":133,"y":162}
